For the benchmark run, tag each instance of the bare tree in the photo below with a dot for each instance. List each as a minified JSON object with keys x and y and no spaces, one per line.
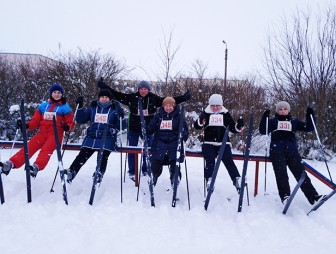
{"x":301,"y":68}
{"x":167,"y":58}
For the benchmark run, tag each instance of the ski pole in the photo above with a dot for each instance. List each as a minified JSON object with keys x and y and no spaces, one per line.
{"x":14,"y":141}
{"x":125,"y":166}
{"x":121,"y":177}
{"x":247,"y":195}
{"x":204,"y":165}
{"x":139,"y":177}
{"x":186,"y":174}
{"x":127,"y":143}
{"x":321,"y":146}
{"x":66,"y":142}
{"x":266,"y":144}
{"x":2,"y":196}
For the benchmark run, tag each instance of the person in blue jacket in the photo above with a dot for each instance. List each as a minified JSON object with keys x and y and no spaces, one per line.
{"x":284,"y":150}
{"x":100,"y":113}
{"x":165,"y":127}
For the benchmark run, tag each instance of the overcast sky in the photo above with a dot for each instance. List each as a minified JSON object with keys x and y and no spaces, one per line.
{"x":133,"y":30}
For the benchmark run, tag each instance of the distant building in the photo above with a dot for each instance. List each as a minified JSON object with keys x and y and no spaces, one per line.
{"x":34,"y":59}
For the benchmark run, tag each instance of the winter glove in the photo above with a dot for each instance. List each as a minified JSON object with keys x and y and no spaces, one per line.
{"x":121,"y":112}
{"x":240,"y":123}
{"x":101,"y":83}
{"x":310,"y":111}
{"x":80,"y":101}
{"x":19,"y":124}
{"x":187,"y":96}
{"x":65,"y":127}
{"x":266,"y":113}
{"x":202,"y":118}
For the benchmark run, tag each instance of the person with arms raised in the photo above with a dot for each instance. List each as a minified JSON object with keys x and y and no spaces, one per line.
{"x":284,"y":149}
{"x":151,"y":102}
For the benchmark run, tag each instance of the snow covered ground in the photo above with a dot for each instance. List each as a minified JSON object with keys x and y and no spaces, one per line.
{"x":47,"y":225}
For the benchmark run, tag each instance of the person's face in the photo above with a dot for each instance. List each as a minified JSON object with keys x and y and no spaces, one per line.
{"x":168,"y":108}
{"x":56,"y":95}
{"x":104,"y":99}
{"x":216,"y":108}
{"x":283,"y":112}
{"x":143,"y":91}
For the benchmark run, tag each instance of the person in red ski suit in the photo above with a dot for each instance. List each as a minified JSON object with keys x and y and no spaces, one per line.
{"x":44,"y":140}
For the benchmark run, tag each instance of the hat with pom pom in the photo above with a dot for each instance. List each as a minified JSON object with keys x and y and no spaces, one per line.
{"x":56,"y":87}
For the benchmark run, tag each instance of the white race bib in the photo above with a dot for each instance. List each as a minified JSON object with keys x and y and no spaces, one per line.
{"x":49,"y":115}
{"x":101,"y":118}
{"x":145,"y":112}
{"x":216,"y":120}
{"x":166,"y":125}
{"x":284,"y":126}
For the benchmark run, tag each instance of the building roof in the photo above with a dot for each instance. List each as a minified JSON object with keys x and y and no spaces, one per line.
{"x":18,"y":58}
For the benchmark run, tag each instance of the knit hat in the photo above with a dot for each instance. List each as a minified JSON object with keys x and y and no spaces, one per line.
{"x":144,"y":84}
{"x":216,"y":99}
{"x":168,"y":100}
{"x":56,"y":87}
{"x":105,"y":92}
{"x":282,"y":104}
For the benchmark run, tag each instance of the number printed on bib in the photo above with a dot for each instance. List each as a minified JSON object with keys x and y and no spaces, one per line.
{"x":145,"y":112}
{"x":166,"y":125}
{"x":284,"y":126}
{"x":216,"y":120}
{"x":49,"y":115}
{"x":101,"y":118}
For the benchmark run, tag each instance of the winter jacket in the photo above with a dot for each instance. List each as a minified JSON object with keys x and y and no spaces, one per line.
{"x":214,"y":127}
{"x":283,"y":129}
{"x":99,"y":115}
{"x":44,"y":140}
{"x":43,"y":117}
{"x":150,"y":104}
{"x":165,"y":127}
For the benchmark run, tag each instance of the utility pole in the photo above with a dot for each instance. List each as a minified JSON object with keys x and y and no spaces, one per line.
{"x":225,"y":66}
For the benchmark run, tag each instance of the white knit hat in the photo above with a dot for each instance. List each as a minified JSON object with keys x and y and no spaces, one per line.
{"x":282,"y":104}
{"x":216,"y":99}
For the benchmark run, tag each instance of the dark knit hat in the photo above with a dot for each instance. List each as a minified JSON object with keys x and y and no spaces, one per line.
{"x":144,"y":84}
{"x":56,"y":87}
{"x":105,"y":92}
{"x":168,"y":100}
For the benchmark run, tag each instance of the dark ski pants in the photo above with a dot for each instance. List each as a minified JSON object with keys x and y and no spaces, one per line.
{"x":84,"y":154}
{"x":133,"y":139}
{"x":210,"y":153}
{"x":292,"y":159}
{"x":157,"y":167}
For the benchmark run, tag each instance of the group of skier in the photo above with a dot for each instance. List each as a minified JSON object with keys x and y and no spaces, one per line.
{"x":162,"y":120}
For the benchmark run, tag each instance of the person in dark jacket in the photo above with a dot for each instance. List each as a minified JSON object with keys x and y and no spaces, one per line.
{"x":284,"y":150}
{"x":165,"y":127}
{"x":214,"y":120}
{"x":151,"y":102}
{"x":101,"y":112}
